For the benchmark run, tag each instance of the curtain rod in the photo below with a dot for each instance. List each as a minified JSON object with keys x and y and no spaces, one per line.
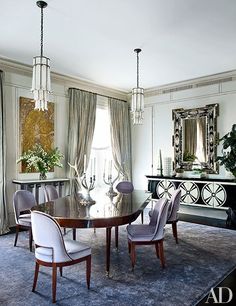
{"x":98,"y":94}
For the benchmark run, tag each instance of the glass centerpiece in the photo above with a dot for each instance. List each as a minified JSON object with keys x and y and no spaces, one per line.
{"x":37,"y":159}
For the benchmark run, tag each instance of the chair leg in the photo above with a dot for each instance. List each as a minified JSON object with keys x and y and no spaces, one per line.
{"x":30,"y":239}
{"x":129,"y":247}
{"x":142,"y":216}
{"x":54,"y":282}
{"x":64,"y":229}
{"x":94,"y":230}
{"x":36,"y":272}
{"x":116,"y":236}
{"x":133,"y":255}
{"x":60,"y":268}
{"x":88,"y":271}
{"x":17,"y":232}
{"x":174,"y":229}
{"x":74,"y":233}
{"x":161,"y":253}
{"x":157,"y":249}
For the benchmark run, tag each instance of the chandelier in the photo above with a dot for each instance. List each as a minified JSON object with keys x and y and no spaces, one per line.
{"x":41,"y":85}
{"x":137,"y":107}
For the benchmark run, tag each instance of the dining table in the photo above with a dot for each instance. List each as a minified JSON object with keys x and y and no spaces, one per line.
{"x":105,"y":211}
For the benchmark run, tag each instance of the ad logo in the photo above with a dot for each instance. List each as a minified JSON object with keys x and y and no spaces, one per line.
{"x":219,"y":295}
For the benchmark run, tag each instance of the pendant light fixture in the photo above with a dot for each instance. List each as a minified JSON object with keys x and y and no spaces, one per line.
{"x":137,"y":107}
{"x":41,"y":84}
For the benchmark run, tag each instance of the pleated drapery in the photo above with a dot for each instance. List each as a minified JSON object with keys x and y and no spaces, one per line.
{"x":3,"y":204}
{"x":82,"y":113}
{"x":120,"y":136}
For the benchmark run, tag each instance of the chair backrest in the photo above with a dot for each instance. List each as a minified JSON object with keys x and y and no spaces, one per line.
{"x":47,"y":234}
{"x":23,"y":201}
{"x":125,"y":187}
{"x":50,"y":193}
{"x":159,"y":218}
{"x":174,"y":205}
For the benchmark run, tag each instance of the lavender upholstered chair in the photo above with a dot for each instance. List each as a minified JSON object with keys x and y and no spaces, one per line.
{"x":50,"y":193}
{"x":125,"y":187}
{"x":173,"y":211}
{"x":152,"y":233}
{"x":23,"y":201}
{"x":51,"y":250}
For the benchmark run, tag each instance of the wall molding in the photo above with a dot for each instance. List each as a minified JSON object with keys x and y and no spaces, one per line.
{"x":171,"y":101}
{"x":209,"y":80}
{"x":8,"y":65}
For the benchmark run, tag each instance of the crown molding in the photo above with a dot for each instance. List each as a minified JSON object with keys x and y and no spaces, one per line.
{"x":67,"y":80}
{"x":208,"y":80}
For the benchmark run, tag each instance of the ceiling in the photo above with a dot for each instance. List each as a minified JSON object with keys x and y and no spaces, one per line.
{"x":94,"y":39}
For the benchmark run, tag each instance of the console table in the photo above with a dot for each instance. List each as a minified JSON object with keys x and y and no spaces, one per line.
{"x":35,"y":185}
{"x":214,"y":193}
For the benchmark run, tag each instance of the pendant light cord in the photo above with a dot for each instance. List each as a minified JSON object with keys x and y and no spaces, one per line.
{"x":41,"y":32}
{"x":137,"y":70}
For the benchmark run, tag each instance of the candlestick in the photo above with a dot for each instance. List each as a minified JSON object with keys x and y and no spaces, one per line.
{"x":159,"y":165}
{"x":109,"y":180}
{"x":161,"y":168}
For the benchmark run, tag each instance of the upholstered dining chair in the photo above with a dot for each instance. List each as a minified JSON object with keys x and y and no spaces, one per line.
{"x":23,"y":201}
{"x":125,"y":187}
{"x":172,"y":217}
{"x":152,"y":233}
{"x":50,"y":193}
{"x":51,"y":250}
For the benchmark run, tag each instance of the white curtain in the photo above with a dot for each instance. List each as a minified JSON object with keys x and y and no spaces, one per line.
{"x":82,"y":113}
{"x":3,"y":205}
{"x":120,"y":136}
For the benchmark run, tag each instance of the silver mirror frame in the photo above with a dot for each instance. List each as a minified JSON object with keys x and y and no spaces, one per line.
{"x":210,"y":111}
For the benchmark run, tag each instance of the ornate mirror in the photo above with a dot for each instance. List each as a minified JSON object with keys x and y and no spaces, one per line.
{"x":195,"y":138}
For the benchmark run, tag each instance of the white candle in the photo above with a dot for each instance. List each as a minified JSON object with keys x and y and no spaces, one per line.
{"x":104,"y":172}
{"x":91,"y":167}
{"x":84,"y":163}
{"x":111,"y":169}
{"x":94,"y":166}
{"x":160,"y":162}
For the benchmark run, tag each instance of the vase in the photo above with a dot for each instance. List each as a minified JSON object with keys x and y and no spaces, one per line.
{"x":42,"y":176}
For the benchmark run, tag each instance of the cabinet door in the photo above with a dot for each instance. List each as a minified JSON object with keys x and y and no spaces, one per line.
{"x":165,"y":189}
{"x":142,"y":149}
{"x":189,"y":192}
{"x":213,"y":194}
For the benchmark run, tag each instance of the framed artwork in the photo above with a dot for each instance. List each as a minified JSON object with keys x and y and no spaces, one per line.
{"x":35,"y":127}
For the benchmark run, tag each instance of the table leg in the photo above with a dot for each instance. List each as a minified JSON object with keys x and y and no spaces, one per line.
{"x":74,"y":233}
{"x":108,"y":249}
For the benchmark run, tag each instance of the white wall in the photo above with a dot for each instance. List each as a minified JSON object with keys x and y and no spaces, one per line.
{"x":146,"y":148}
{"x":17,"y":83}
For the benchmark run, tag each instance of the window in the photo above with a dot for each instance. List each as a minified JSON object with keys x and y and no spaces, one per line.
{"x":101,"y":146}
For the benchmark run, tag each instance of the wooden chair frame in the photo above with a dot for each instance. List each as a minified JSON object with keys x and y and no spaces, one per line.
{"x":158,"y":246}
{"x":60,"y":266}
{"x":18,"y":227}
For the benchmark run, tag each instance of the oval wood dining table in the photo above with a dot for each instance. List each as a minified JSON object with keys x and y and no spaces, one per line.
{"x":107,"y":212}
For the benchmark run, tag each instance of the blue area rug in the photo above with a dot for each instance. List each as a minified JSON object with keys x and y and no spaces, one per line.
{"x":203,"y":257}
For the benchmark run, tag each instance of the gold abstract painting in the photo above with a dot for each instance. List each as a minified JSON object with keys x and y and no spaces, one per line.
{"x":35,"y":127}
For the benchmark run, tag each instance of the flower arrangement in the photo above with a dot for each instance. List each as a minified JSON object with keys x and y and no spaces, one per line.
{"x":41,"y":161}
